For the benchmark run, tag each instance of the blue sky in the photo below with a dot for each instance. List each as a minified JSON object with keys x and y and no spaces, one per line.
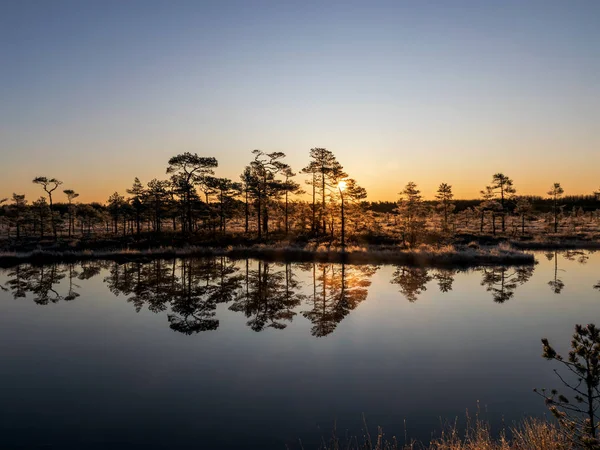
{"x":98,"y":92}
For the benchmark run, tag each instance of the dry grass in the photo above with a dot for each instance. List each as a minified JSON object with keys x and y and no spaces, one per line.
{"x":539,"y":434}
{"x":424,"y":255}
{"x":531,"y":434}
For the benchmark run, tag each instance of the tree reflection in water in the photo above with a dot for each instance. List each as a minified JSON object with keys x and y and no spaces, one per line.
{"x":17,"y":282}
{"x":445,"y":279}
{"x":268,"y":294}
{"x":337,"y":290}
{"x":581,"y":256}
{"x":193,"y":307}
{"x":89,"y":269}
{"x":502,"y":281}
{"x":72,"y":273}
{"x":154,"y":285}
{"x":556,"y":284}
{"x":37,"y":280}
{"x":412,"y":281}
{"x":190,"y":288}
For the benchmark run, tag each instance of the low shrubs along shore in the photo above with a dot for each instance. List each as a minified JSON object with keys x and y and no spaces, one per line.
{"x":423,"y":255}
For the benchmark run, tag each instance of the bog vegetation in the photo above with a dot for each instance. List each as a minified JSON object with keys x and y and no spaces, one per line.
{"x":271,"y":202}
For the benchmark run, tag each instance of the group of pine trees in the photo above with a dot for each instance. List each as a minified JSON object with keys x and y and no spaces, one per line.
{"x":194,"y":199}
{"x":499,"y":202}
{"x":267,"y":198}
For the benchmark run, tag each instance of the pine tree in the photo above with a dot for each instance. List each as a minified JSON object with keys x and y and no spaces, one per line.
{"x":444,"y":196}
{"x":411,"y":210}
{"x":265,"y":185}
{"x":49,"y":185}
{"x":555,"y":193}
{"x":115,"y":209}
{"x":524,"y":208}
{"x":290,"y":187}
{"x":325,"y":167}
{"x":503,"y":187}
{"x":137,"y":193}
{"x":579,"y":418}
{"x":18,"y":208}
{"x":156,"y":197}
{"x":187,"y":170}
{"x":246,"y":185}
{"x":488,"y":204}
{"x":71,"y":195}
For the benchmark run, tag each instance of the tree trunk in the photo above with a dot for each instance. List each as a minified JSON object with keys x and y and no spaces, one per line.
{"x":323,"y":202}
{"x":343,"y":230}
{"x":222,"y":213}
{"x":555,"y":217}
{"x":69,"y":219}
{"x":503,"y":210}
{"x":591,"y":403}
{"x":258,"y":212}
{"x":266,"y":219}
{"x":286,"y":213}
{"x":52,"y":216}
{"x":189,"y":211}
{"x":314,"y":205}
{"x":246,"y":211}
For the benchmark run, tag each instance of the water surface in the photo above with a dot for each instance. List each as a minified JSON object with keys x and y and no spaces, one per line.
{"x":213,"y":353}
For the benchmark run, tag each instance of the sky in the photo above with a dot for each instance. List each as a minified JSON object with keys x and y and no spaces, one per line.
{"x":96,"y":93}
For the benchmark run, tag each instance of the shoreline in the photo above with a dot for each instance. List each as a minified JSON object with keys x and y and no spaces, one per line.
{"x":423,"y":256}
{"x":553,"y":245}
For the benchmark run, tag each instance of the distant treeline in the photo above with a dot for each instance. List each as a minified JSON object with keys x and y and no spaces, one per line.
{"x":540,"y":204}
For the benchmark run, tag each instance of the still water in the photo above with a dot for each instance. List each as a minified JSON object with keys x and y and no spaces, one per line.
{"x":213,"y":353}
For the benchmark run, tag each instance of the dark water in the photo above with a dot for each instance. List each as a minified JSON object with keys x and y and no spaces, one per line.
{"x":210,"y":353}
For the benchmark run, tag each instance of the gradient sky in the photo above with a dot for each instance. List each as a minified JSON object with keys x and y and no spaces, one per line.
{"x":98,"y":92}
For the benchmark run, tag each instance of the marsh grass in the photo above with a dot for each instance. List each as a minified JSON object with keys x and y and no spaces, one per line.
{"x":530,"y":434}
{"x":424,"y":255}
